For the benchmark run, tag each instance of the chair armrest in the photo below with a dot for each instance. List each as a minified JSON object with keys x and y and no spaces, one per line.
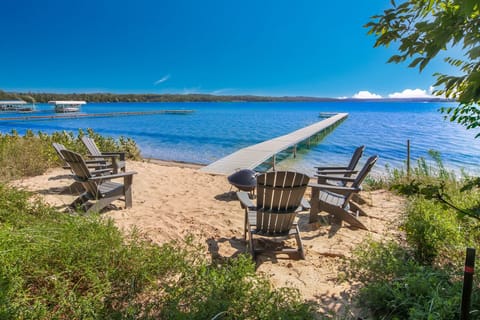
{"x":334,"y":188}
{"x":339,"y":178}
{"x":111,"y":157}
{"x":100,"y":172}
{"x":120,"y":154}
{"x":114,"y":176}
{"x":336,"y":171}
{"x":245,"y":200}
{"x":333,"y":168}
{"x":95,"y":161}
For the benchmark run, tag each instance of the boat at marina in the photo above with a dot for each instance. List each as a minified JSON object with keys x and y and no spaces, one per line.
{"x":16,"y":106}
{"x":67,"y":106}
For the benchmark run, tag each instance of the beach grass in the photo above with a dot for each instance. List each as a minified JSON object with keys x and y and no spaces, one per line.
{"x":420,"y":275}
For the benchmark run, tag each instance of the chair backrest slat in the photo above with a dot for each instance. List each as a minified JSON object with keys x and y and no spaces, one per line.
{"x":367,"y":167}
{"x":58,"y":148}
{"x":91,"y":146}
{"x":355,"y":158}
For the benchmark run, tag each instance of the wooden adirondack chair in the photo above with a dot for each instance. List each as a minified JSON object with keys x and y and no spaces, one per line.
{"x":100,"y":191}
{"x":336,"y":199}
{"x":94,"y":164}
{"x":76,"y":187}
{"x":279,"y":197}
{"x":117,"y":159}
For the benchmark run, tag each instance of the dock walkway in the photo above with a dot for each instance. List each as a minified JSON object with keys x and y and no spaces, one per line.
{"x":76,"y":115}
{"x":253,"y":156}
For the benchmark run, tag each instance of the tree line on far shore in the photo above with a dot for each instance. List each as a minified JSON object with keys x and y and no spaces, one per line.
{"x":170,"y":97}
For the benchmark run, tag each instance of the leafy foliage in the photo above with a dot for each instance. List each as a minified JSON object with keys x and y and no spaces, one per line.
{"x":425,"y":28}
{"x":396,"y":286}
{"x":419,"y":276}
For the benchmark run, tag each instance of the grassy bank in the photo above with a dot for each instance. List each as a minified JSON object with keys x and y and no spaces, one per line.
{"x":420,"y":275}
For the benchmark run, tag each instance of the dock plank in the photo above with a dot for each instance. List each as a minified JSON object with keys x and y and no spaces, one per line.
{"x":253,"y":156}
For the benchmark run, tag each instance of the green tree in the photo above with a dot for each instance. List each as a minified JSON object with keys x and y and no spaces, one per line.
{"x":422,"y":29}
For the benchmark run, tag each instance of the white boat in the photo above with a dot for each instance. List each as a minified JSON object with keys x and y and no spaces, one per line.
{"x":16,"y":106}
{"x":67,"y":106}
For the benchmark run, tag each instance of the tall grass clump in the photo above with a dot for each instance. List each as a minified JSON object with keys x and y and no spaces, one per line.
{"x":396,"y":286}
{"x":59,"y":266}
{"x":32,"y":154}
{"x":420,"y":276}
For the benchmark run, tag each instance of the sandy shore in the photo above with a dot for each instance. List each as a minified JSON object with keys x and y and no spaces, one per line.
{"x":171,"y":201}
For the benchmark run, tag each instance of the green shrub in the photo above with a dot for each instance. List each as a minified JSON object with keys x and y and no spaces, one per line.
{"x":433,"y":230}
{"x":396,"y":286}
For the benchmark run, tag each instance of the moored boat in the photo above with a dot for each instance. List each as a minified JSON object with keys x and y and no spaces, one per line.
{"x":67,"y":106}
{"x":16,"y":106}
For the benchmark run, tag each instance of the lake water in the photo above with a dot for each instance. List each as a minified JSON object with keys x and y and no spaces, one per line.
{"x":215,"y":130}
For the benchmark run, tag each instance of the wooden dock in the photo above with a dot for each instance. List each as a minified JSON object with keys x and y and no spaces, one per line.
{"x":253,"y":156}
{"x":75,"y":115}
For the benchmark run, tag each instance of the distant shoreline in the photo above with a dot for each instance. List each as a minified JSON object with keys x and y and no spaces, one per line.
{"x":146,"y":97}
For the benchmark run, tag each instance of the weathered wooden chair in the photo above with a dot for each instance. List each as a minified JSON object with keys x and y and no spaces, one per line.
{"x":117,"y":159}
{"x":99,"y":189}
{"x":336,"y":199}
{"x":345,"y":171}
{"x":279,"y":196}
{"x":94,"y":164}
{"x":76,"y":187}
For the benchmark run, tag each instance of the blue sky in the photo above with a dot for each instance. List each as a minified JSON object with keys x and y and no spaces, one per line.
{"x":264,"y":47}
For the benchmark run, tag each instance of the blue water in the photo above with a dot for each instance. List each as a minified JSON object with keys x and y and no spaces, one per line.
{"x":215,"y":130}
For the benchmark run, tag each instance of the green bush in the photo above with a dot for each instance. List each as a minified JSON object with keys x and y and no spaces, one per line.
{"x":420,"y":278}
{"x":396,"y":286}
{"x":58,"y":266}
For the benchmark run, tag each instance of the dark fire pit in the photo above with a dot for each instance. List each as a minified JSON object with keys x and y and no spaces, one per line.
{"x":245,"y":180}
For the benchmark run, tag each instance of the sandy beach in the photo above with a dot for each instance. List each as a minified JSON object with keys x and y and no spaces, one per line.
{"x":172,"y":201}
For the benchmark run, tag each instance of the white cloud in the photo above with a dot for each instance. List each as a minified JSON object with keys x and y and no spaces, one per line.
{"x":366,"y":95}
{"x":409,"y":93}
{"x":165,"y":78}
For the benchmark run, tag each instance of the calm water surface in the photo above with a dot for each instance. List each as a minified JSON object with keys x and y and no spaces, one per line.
{"x":215,"y":130}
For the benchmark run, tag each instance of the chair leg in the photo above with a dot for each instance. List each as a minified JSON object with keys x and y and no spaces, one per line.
{"x":345,"y":215}
{"x":301,"y":250}
{"x":128,"y":191}
{"x":356,"y":208}
{"x":102,"y":203}
{"x":314,"y":203}
{"x":80,"y":201}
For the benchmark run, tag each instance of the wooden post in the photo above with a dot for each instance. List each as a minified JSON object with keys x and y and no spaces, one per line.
{"x":467,"y":284}
{"x":408,"y":159}
{"x":295,"y":151}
